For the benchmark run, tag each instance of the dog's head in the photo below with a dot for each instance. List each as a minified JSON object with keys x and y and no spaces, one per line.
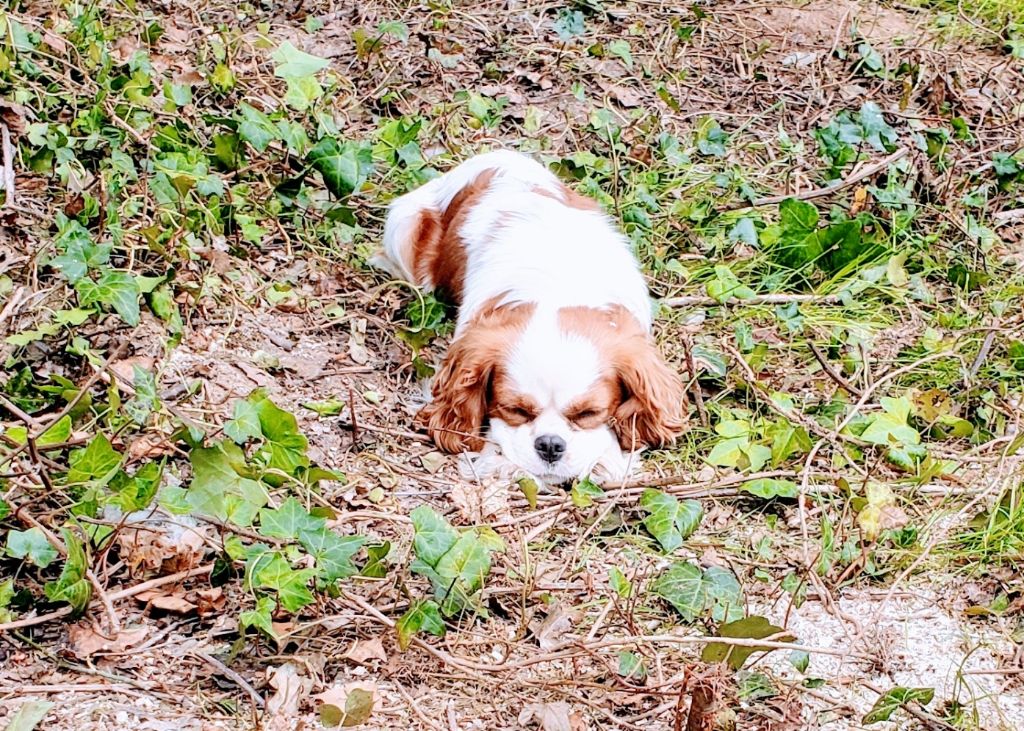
{"x":558,"y":388}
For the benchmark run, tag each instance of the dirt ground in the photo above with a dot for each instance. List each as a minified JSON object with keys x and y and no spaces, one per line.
{"x":759,"y":66}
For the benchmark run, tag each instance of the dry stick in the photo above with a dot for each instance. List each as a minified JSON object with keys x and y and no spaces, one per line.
{"x":853,"y":179}
{"x":8,"y":158}
{"x":114,"y":597}
{"x":832,"y":373}
{"x":231,"y":675}
{"x":761,"y":299}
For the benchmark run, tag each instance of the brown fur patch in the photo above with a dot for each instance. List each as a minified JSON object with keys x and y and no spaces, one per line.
{"x":438,"y":251}
{"x":570,"y":198}
{"x":650,"y":410}
{"x":464,"y":384}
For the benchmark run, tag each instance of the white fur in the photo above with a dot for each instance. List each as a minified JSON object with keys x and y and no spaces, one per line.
{"x":526,"y":246}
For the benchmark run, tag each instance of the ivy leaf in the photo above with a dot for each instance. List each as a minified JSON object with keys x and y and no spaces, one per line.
{"x":332,"y":552}
{"x":288,"y":521}
{"x":769,"y":488}
{"x":755,"y":628}
{"x":735,"y":438}
{"x":291,"y":63}
{"x":345,"y":166}
{"x":290,"y":584}
{"x":682,"y":586}
{"x":668,"y":520}
{"x":727,"y":286}
{"x":893,"y":698}
{"x":725,"y":596}
{"x":376,"y":566}
{"x":619,"y":583}
{"x":433,"y":536}
{"x":261,"y":617}
{"x":621,"y":48}
{"x":32,"y":546}
{"x":631,"y":666}
{"x":891,"y":427}
{"x":569,"y":24}
{"x":256,"y":128}
{"x":78,"y":252}
{"x":146,"y":399}
{"x":285,"y":448}
{"x":712,"y":139}
{"x":115,"y":289}
{"x":29,"y":713}
{"x":584,"y":492}
{"x":245,"y":422}
{"x":423,"y":615}
{"x":97,"y":461}
{"x":72,"y":586}
{"x":787,"y":440}
{"x":462,"y":571}
{"x":220,"y":487}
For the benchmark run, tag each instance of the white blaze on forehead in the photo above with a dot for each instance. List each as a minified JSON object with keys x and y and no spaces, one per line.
{"x":550,"y":365}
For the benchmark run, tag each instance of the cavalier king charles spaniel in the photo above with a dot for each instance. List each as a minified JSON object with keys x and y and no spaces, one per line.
{"x":552,"y":368}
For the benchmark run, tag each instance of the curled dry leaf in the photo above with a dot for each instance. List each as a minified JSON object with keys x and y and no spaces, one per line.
{"x":162,"y":546}
{"x":210,"y":601}
{"x":125,"y":369}
{"x":365,"y":650}
{"x":552,"y":630}
{"x":176,"y":603}
{"x":480,"y":501}
{"x":556,"y":716}
{"x":85,"y":641}
{"x":290,"y":689}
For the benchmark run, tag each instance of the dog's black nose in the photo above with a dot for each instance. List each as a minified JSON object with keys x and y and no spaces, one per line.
{"x":550,"y":447}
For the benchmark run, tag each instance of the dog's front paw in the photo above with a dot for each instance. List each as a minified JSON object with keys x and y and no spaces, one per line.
{"x":488,"y":464}
{"x":615,"y":467}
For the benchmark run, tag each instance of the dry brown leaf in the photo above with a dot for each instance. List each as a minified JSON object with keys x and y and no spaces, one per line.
{"x":162,"y":546}
{"x":364,"y":650}
{"x":148,"y":446}
{"x":176,"y":603}
{"x":86,"y":641}
{"x":210,"y":601}
{"x":125,"y":369}
{"x":290,"y":689}
{"x":557,"y":716}
{"x":551,"y":631}
{"x":478,"y":501}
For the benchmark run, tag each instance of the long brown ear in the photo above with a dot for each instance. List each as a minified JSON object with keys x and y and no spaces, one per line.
{"x":651,"y":413}
{"x":455,"y":417}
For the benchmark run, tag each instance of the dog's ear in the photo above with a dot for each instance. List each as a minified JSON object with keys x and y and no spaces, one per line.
{"x":456,"y":416}
{"x":651,"y":412}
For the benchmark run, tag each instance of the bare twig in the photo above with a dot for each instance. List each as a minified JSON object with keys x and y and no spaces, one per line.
{"x":761,"y":299}
{"x":8,"y":165}
{"x":114,"y":597}
{"x":851,"y":180}
{"x":231,"y":675}
{"x":831,"y":372}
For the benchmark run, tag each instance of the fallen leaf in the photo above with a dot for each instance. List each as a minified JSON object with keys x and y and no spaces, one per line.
{"x":125,"y":369}
{"x":86,"y":641}
{"x":162,"y":546}
{"x":551,"y":631}
{"x":28,"y":715}
{"x":364,"y":650}
{"x":175,"y":603}
{"x":210,"y":601}
{"x":347,"y":705}
{"x":432,"y":461}
{"x":290,"y":689}
{"x":478,"y":501}
{"x":557,"y":716}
